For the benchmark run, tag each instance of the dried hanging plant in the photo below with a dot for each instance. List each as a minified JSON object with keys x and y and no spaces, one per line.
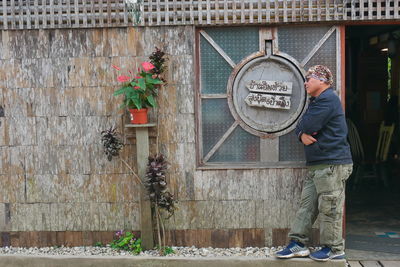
{"x":156,"y":184}
{"x":160,"y":198}
{"x":157,"y":58}
{"x":111,"y":143}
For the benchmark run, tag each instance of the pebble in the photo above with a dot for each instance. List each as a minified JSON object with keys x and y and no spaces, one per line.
{"x":254,"y":252}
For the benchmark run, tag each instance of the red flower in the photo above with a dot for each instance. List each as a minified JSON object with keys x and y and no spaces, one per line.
{"x":147,"y":66}
{"x":116,"y":67}
{"x":136,"y":87}
{"x":138,"y":77}
{"x":123,"y":78}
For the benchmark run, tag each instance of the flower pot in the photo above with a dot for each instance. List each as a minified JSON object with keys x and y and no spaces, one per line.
{"x":138,"y":116}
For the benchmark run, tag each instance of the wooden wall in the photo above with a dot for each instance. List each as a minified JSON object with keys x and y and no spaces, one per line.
{"x":56,"y":89}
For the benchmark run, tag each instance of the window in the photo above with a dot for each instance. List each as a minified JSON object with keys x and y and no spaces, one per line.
{"x":225,"y":138}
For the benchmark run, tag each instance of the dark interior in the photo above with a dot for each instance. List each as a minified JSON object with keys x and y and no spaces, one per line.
{"x":372,"y":99}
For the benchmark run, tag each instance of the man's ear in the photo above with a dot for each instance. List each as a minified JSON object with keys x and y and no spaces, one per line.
{"x":321,"y":83}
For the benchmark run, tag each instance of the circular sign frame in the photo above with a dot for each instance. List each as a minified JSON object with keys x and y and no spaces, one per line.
{"x":247,"y":123}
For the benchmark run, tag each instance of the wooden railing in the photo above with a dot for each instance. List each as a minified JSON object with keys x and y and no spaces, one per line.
{"x":36,"y":14}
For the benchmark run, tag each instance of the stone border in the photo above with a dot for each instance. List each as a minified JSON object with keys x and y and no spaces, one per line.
{"x":62,"y":261}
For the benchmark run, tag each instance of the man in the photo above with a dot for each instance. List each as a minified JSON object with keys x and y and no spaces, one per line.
{"x":323,"y":131}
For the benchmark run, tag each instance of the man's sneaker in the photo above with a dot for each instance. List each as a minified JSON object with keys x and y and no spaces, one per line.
{"x":294,"y":249}
{"x":326,"y":254}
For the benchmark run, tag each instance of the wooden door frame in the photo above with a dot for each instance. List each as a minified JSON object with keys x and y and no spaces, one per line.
{"x":342,"y":32}
{"x":342,"y":29}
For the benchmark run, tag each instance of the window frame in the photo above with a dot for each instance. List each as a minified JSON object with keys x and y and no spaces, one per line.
{"x":204,"y":165}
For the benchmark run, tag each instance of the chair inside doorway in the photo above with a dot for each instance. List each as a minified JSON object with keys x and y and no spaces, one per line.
{"x":376,"y":170}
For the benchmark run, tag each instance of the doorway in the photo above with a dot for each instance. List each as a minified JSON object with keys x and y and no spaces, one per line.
{"x":372,"y":101}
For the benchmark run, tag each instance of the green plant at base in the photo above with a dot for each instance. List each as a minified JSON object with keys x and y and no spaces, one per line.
{"x":98,"y":244}
{"x":167,"y":250}
{"x":128,"y":242}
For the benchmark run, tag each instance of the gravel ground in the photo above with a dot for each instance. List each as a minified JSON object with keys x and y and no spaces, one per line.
{"x":107,"y":251}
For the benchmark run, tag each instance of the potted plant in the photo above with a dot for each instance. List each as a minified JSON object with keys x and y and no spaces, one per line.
{"x":140,"y":91}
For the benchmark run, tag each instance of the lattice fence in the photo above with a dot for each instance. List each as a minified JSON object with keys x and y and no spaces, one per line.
{"x":208,"y":12}
{"x":41,"y":14}
{"x":35,"y":14}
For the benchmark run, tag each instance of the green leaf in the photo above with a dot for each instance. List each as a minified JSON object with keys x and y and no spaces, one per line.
{"x":154,"y":81}
{"x":142,"y":83}
{"x":151,"y":100}
{"x":133,"y":94}
{"x":123,"y":90}
{"x":129,"y":102}
{"x":137,"y":103}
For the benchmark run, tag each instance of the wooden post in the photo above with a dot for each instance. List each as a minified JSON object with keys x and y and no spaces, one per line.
{"x":142,"y":152}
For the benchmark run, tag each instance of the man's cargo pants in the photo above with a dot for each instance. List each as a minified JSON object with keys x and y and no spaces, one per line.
{"x":324,"y":194}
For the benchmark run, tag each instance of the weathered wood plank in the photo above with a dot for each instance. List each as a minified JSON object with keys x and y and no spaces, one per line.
{"x":293,"y":9}
{"x":251,"y":13}
{"x":21,"y":20}
{"x":301,"y":15}
{"x":76,"y":13}
{"x":370,"y":264}
{"x":183,"y":17}
{"x":285,"y":11}
{"x":242,"y":14}
{"x":319,"y":7}
{"x":268,"y":11}
{"x":387,"y":9}
{"x":379,"y":10}
{"x":259,"y":11}
{"x":327,"y":10}
{"x":5,"y":18}
{"x":208,"y":12}
{"x":362,"y":9}
{"x":36,"y":12}
{"x":386,"y":263}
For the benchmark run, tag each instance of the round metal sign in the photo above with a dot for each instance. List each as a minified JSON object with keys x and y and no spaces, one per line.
{"x":266,"y":94}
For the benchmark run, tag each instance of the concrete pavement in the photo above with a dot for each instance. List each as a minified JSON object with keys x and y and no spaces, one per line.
{"x":95,"y":261}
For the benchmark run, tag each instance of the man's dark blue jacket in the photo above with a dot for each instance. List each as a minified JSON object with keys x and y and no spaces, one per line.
{"x":325,"y":121}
